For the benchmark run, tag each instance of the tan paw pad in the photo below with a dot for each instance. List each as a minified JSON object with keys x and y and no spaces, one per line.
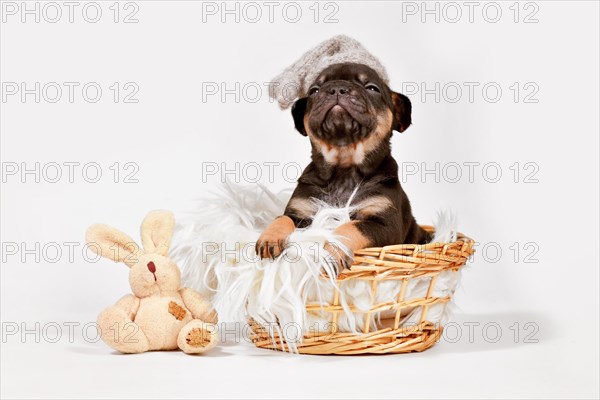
{"x":198,"y":337}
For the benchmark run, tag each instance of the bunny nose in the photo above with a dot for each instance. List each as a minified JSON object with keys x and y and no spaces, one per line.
{"x":151,"y":267}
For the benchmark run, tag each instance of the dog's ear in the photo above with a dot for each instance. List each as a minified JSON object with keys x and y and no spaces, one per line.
{"x":298,"y":111}
{"x":402,"y":112}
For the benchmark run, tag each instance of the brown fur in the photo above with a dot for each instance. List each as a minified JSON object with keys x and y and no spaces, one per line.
{"x":354,"y":153}
{"x":352,"y":237}
{"x":373,"y":206}
{"x":305,"y":208}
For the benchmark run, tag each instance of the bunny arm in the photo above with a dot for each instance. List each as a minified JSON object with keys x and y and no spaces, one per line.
{"x":130,"y":304}
{"x":198,"y":305}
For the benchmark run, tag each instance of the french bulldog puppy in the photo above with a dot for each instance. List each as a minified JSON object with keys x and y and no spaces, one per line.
{"x":349,"y":116}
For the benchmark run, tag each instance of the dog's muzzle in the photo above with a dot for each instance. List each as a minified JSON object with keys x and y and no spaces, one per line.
{"x":340,"y":114}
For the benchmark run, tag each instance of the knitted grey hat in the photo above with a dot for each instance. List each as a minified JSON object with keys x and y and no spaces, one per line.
{"x":293,"y":83}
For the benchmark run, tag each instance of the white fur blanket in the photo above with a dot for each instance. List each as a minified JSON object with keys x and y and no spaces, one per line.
{"x":214,"y":246}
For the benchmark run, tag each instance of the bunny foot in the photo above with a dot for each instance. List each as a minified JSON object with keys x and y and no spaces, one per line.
{"x":197,"y":337}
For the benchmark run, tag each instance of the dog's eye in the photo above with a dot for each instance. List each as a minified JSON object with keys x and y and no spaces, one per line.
{"x":370,"y":86}
{"x":313,"y":90}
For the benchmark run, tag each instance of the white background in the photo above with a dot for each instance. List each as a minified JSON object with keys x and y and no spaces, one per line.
{"x":171,"y":54}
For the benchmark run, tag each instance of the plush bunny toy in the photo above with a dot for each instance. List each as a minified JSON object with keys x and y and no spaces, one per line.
{"x":159,"y":315}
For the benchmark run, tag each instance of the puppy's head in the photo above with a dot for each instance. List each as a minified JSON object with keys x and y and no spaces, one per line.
{"x":349,"y":106}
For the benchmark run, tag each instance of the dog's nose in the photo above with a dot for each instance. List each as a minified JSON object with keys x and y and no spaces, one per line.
{"x":339,"y":89}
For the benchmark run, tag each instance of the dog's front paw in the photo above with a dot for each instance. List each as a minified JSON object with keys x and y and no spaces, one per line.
{"x":338,"y":258}
{"x":269,"y":246}
{"x":273,"y":240}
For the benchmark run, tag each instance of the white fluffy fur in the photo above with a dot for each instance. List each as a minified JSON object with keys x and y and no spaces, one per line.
{"x":214,"y":246}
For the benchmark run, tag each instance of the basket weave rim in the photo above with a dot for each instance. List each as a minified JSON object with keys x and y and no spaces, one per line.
{"x":460,"y":238}
{"x":402,"y":260}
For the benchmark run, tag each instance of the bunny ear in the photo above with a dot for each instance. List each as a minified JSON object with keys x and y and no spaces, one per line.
{"x":157,"y":230}
{"x":113,"y":244}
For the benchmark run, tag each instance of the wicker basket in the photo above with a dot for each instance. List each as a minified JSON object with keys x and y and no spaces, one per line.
{"x":398,"y":262}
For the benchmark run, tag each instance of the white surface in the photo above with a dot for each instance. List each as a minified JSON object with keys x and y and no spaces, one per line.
{"x":459,"y":370}
{"x":171,"y":132}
